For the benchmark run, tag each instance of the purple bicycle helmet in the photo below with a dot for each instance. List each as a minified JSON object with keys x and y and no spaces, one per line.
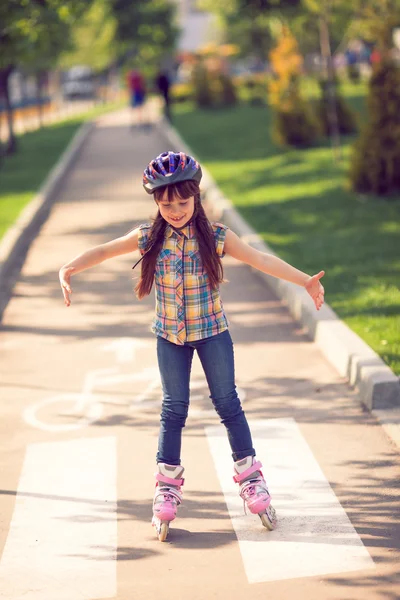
{"x":169,"y":168}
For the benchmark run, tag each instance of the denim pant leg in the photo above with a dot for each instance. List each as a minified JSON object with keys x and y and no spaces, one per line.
{"x":216,"y":356}
{"x":175,"y":365}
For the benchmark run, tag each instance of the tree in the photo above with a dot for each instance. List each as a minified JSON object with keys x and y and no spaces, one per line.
{"x":306,"y":26}
{"x":32,"y":34}
{"x":374,"y":20}
{"x":145,"y":29}
{"x":247,"y":22}
{"x":375,"y":164}
{"x":92,"y":39}
{"x":370,"y":20}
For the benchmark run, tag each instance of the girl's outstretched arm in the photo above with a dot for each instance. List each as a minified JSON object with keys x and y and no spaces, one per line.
{"x":272,"y":265}
{"x":94,"y":256}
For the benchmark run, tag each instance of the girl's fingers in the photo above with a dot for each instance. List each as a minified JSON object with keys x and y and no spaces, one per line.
{"x":319,"y":275}
{"x":66,"y":285}
{"x":316,"y":289}
{"x":66,"y":290}
{"x":65,"y":278}
{"x":318,"y":298}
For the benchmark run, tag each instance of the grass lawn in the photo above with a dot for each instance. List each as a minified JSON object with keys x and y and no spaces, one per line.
{"x":300,"y":204}
{"x":38,"y":151}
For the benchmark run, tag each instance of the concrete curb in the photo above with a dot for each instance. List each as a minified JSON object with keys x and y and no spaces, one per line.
{"x":378,"y":387}
{"x":17,"y":240}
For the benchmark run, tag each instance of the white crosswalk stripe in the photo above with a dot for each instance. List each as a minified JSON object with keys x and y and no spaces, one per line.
{"x":314,"y":535}
{"x":63,"y":536}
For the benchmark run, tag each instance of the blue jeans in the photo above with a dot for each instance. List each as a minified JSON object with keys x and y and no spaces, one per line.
{"x":175,"y":362}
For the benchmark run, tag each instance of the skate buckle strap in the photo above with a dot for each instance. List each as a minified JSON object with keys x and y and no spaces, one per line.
{"x":163,"y":491}
{"x":240,"y":476}
{"x":169,"y":480}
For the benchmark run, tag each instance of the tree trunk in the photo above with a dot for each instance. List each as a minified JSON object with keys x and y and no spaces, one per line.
{"x":11,"y":145}
{"x":39,"y":84}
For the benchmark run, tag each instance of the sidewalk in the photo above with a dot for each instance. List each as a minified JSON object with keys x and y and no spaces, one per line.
{"x":78,"y":527}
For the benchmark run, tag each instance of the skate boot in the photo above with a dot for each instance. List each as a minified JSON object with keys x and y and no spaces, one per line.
{"x":254,"y":491}
{"x":167,"y":497}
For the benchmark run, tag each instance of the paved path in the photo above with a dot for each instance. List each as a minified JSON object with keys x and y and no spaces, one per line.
{"x":79,"y":421}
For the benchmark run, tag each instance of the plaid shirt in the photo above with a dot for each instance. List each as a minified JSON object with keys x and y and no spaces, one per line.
{"x":187,"y":308}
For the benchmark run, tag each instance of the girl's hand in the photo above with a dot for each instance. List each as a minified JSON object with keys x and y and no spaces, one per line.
{"x":316,"y":289}
{"x":65,"y":281}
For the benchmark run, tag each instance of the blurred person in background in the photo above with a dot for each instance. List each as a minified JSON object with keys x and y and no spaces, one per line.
{"x":137,"y":90}
{"x":163,"y":84}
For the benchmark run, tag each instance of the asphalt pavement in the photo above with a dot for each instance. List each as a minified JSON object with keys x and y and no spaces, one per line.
{"x":79,"y":416}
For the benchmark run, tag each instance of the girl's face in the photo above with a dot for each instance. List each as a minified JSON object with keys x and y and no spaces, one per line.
{"x":178,"y":212}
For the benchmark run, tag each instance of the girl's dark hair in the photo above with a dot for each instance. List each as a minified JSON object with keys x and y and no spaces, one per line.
{"x":204,"y":236}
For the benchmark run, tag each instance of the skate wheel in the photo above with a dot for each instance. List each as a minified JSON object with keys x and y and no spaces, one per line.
{"x":163,"y":531}
{"x":268,"y":519}
{"x":162,"y":528}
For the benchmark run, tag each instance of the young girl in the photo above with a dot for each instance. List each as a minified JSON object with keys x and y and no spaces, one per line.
{"x":181,"y":253}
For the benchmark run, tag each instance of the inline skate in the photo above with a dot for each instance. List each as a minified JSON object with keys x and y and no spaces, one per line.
{"x":254,"y":491}
{"x":167,"y":497}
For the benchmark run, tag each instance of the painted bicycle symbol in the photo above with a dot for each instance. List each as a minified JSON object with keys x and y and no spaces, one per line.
{"x":82,"y":409}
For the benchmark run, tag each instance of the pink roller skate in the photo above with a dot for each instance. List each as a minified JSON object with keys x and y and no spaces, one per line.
{"x":254,"y":491}
{"x":167,"y":497}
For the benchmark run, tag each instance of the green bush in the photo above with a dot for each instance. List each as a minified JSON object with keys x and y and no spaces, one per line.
{"x":295,"y":123}
{"x":346,"y":119}
{"x":375,"y":166}
{"x":202,"y":86}
{"x":227,"y":90}
{"x":212,"y":89}
{"x":295,"y":127}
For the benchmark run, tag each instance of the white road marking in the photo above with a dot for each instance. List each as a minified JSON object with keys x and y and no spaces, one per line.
{"x":63,"y":535}
{"x":314,"y":535}
{"x":93,"y":412}
{"x":84,"y":406}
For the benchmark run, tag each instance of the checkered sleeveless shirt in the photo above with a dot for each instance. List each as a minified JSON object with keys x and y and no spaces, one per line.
{"x":187,"y":308}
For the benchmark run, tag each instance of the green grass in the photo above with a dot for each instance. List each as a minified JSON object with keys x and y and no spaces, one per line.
{"x":301,"y":205}
{"x":22,"y":173}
